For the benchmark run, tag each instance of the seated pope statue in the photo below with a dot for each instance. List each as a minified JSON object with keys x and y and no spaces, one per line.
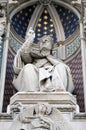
{"x":40,"y":71}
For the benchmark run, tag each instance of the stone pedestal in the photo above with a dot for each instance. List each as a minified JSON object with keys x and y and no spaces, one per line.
{"x":64,"y":101}
{"x":43,"y":110}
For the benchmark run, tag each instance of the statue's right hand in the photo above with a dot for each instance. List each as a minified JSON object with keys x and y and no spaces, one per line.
{"x":26,"y":47}
{"x":30,"y":35}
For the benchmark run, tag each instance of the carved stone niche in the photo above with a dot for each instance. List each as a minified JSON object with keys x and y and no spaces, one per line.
{"x":64,"y":101}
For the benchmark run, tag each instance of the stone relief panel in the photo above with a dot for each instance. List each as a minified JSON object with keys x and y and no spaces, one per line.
{"x":41,"y":116}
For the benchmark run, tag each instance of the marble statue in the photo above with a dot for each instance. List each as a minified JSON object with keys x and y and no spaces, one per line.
{"x":40,"y":71}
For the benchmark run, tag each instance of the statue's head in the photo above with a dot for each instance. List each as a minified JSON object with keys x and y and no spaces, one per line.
{"x":46,"y":42}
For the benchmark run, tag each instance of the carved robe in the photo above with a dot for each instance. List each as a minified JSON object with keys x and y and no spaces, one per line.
{"x":35,"y":72}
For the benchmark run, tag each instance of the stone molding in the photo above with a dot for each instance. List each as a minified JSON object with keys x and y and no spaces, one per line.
{"x":64,"y":101}
{"x":5,"y":116}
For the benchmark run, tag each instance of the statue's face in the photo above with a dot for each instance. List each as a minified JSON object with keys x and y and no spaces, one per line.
{"x":45,"y":46}
{"x":46,"y":43}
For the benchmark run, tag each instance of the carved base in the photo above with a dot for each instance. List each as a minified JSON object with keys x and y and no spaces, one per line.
{"x":64,"y":101}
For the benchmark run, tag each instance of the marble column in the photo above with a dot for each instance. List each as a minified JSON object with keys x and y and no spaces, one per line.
{"x":4,"y":63}
{"x":83,"y":49}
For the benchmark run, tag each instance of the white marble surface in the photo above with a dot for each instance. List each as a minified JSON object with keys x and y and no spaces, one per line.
{"x":50,"y":97}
